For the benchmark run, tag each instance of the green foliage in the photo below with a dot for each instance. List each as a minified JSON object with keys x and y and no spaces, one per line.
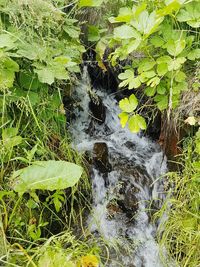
{"x":44,"y":45}
{"x":165,"y":49}
{"x":40,"y":54}
{"x":135,"y":121}
{"x":190,"y":14}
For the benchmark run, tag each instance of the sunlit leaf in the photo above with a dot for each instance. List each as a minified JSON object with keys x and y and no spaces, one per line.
{"x":123,"y":118}
{"x":125,"y":15}
{"x":136,"y":122}
{"x":176,"y":63}
{"x":128,"y":104}
{"x":153,"y":81}
{"x":90,"y":3}
{"x":174,"y":48}
{"x":125,"y":32}
{"x":147,"y":23}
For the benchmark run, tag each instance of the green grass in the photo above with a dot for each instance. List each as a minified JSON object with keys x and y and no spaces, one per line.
{"x":179,"y":233}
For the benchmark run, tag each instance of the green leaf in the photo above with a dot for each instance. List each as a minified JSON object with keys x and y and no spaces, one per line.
{"x":9,"y":64}
{"x":7,"y":41}
{"x":174,"y":48}
{"x":133,"y":45}
{"x":34,"y":98}
{"x":93,"y":33}
{"x":157,"y":41}
{"x":179,"y":87}
{"x":147,"y":23}
{"x":170,"y":8}
{"x":10,"y":138}
{"x":123,"y":118}
{"x":162,"y":69}
{"x":194,"y":54}
{"x":33,"y":51}
{"x":47,"y":175}
{"x":45,"y":75}
{"x":129,"y":79}
{"x":180,"y":76}
{"x":163,"y":103}
{"x":149,"y":74}
{"x":161,"y":89}
{"x":175,"y":100}
{"x":90,"y":3}
{"x":28,"y":80}
{"x":125,"y":32}
{"x":134,"y":83}
{"x":153,"y":82}
{"x":128,"y":104}
{"x":176,"y":63}
{"x":164,"y":59}
{"x":146,"y":65}
{"x":190,"y":14}
{"x":72,"y":31}
{"x":150,"y":91}
{"x":125,"y":15}
{"x":54,"y":257}
{"x":55,"y":69}
{"x":126,"y":75}
{"x":136,"y":122}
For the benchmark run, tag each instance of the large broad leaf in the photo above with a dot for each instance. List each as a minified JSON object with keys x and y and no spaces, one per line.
{"x":47,"y":175}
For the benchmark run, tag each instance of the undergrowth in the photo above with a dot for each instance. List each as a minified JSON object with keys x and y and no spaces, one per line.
{"x":178,"y":231}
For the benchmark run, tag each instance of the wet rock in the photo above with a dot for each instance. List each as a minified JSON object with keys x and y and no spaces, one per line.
{"x":100,"y":157}
{"x":113,"y":208}
{"x":130,"y":145}
{"x":97,"y":108}
{"x":128,"y":201}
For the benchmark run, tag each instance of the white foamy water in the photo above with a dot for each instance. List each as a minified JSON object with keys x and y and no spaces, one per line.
{"x":137,"y":165}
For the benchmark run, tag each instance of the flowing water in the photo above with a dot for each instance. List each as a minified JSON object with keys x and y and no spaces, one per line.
{"x":121,"y":195}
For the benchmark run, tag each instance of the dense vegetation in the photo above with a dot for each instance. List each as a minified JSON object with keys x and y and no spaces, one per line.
{"x":155,"y":46}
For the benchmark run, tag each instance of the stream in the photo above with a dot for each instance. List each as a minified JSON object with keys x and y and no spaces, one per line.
{"x":126,"y":180}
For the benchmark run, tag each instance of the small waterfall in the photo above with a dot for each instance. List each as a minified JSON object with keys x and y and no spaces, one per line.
{"x":122,"y":194}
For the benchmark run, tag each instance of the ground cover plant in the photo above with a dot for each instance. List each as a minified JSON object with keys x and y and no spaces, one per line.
{"x":41,"y":49}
